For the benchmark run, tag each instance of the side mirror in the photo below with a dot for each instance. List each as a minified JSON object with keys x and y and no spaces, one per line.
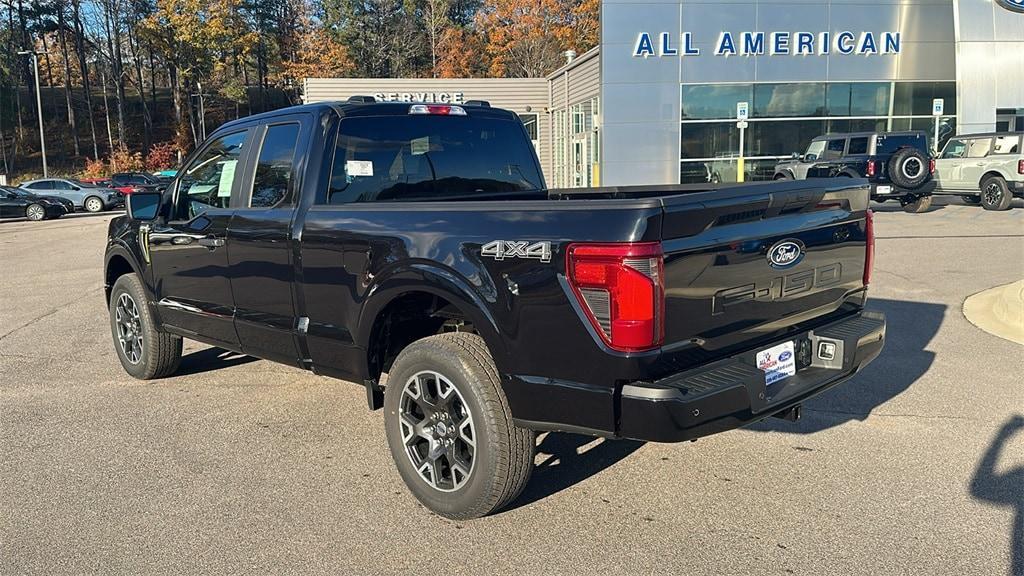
{"x":143,"y":205}
{"x":795,"y":155}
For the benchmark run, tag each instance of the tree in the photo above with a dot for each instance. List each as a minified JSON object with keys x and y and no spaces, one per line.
{"x":318,"y":56}
{"x":435,"y":21}
{"x":525,"y":38}
{"x":461,"y":54}
{"x":383,"y":37}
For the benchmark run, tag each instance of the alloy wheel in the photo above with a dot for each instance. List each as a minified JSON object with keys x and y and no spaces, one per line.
{"x":93,"y":205}
{"x":129,"y":328}
{"x":35,"y":212}
{"x":437,"y":429}
{"x":993,"y":194}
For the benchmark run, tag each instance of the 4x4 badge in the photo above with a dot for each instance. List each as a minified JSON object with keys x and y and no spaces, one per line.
{"x":501,"y":249}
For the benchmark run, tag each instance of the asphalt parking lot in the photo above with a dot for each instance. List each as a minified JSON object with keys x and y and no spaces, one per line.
{"x":241,"y":466}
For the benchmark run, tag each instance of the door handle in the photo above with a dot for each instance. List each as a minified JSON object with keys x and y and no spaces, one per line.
{"x":211,"y":242}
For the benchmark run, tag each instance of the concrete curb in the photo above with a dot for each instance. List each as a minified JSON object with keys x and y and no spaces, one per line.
{"x":999,"y":311}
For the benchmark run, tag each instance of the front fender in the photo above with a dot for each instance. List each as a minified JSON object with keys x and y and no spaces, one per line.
{"x":431,"y":278}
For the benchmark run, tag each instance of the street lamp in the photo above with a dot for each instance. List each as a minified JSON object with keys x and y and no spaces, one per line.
{"x":39,"y":102}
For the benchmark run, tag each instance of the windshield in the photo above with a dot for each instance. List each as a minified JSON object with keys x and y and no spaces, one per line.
{"x":814,"y":150}
{"x":396,"y":158}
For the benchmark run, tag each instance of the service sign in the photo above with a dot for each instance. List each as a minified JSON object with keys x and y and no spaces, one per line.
{"x":428,"y":97}
{"x":841,"y":42}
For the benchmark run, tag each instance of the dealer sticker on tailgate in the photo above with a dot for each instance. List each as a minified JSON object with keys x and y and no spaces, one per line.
{"x":778,"y":362}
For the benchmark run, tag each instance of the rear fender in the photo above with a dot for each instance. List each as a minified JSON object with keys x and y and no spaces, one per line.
{"x":427,"y":277}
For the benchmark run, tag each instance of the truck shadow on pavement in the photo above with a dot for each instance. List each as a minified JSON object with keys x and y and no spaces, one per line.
{"x":209,"y":359}
{"x":1005,"y":488}
{"x":910,"y":326}
{"x":563,"y":465}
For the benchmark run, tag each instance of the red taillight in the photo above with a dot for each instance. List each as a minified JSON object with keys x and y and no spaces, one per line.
{"x":870,"y":169}
{"x":931,"y":166}
{"x":437,"y":109}
{"x":621,"y":288}
{"x":869,"y":237}
{"x":1020,"y":166}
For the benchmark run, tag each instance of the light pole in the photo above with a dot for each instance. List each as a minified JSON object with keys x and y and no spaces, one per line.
{"x":39,"y":103}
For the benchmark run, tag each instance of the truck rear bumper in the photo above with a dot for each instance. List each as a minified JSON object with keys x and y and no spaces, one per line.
{"x":731,"y":392}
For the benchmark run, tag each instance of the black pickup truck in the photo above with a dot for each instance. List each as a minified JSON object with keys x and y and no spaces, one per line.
{"x":414,"y":248}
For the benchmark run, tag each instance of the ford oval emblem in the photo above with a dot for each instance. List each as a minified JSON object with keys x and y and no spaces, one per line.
{"x":1015,"y":5}
{"x":786,"y":254}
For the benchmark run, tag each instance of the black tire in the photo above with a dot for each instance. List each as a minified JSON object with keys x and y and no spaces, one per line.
{"x":93,"y":204}
{"x":908,"y":168}
{"x":159,"y":352}
{"x":918,"y":205}
{"x":783,"y":176}
{"x":501,"y":459}
{"x":972,"y":200}
{"x":35,"y":212}
{"x":995,"y":195}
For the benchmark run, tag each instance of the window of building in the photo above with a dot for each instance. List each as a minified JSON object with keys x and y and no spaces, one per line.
{"x":793,"y":100}
{"x":915,"y":98}
{"x":711,"y":101}
{"x":274,"y":166}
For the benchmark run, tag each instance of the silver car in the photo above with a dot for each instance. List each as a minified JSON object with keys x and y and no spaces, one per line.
{"x":982,"y":168}
{"x":84,"y":196}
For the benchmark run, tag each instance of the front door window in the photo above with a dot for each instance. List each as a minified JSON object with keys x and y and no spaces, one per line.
{"x":208,"y":180}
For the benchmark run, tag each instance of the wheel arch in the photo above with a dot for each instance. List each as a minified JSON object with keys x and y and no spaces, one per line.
{"x":117,"y":263}
{"x":989,"y":174}
{"x":423,"y":299}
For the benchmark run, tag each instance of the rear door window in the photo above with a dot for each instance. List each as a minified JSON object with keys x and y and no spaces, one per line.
{"x":431,"y":157}
{"x":834,"y":149}
{"x":979,"y":147}
{"x":274,"y":168}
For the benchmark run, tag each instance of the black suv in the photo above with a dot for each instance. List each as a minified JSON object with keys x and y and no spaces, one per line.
{"x":898,"y":165}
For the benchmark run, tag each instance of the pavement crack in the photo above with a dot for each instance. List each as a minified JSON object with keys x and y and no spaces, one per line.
{"x":88,"y":293}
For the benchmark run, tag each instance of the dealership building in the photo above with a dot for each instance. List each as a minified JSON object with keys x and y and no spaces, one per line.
{"x":656,"y":102}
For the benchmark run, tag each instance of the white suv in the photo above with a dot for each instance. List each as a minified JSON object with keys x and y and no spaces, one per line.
{"x":982,"y":168}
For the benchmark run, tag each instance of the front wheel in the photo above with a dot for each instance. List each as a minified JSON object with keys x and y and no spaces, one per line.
{"x":918,"y":205}
{"x":450,"y":429}
{"x":35,"y":212}
{"x":93,"y":204}
{"x":145,"y":351}
{"x":994,"y":194}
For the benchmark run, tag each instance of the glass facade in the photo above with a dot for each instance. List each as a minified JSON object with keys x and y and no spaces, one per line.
{"x":784,"y":117}
{"x":576,"y":142}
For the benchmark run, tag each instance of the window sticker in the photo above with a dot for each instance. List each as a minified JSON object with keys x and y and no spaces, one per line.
{"x":227,"y":177}
{"x":420,"y":145}
{"x":359,"y":168}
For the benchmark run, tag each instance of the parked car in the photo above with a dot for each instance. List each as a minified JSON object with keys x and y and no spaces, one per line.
{"x":986,"y":169}
{"x":84,"y":196}
{"x":898,"y":165}
{"x":420,"y":240}
{"x":15,"y":203}
{"x":128,"y":182}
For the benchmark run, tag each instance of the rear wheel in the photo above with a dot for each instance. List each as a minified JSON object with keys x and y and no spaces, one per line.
{"x":145,"y":351}
{"x":450,"y":429}
{"x":93,"y":204}
{"x":994,"y":194}
{"x":918,"y":204}
{"x":35,"y":212}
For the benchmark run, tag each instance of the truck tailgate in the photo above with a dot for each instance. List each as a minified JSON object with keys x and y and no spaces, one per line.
{"x":745,"y":263}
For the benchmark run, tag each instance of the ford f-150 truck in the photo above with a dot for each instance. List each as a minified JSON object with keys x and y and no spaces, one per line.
{"x":415,"y":249}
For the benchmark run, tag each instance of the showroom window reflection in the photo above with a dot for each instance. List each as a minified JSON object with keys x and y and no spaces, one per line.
{"x":785,"y":117}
